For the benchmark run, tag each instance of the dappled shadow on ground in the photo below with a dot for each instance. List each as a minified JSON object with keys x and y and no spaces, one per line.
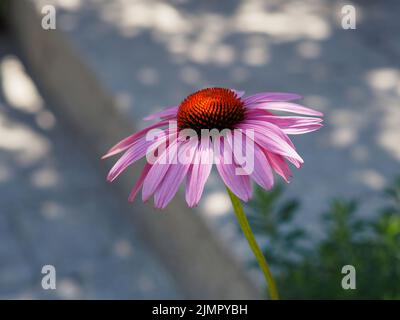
{"x":55,"y":209}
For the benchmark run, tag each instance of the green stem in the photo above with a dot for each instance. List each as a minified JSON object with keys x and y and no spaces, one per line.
{"x":244,"y":224}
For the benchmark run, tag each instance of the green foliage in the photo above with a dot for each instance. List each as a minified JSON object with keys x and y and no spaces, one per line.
{"x":372,"y":246}
{"x":272,"y":219}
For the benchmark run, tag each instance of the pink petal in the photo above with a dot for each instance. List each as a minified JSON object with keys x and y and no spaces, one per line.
{"x":279,"y":164}
{"x":301,"y":129}
{"x":294,"y":158}
{"x":290,"y":125}
{"x":174,"y":176}
{"x":262,"y":173}
{"x":271,"y":96}
{"x":268,"y":126}
{"x":270,"y":137}
{"x":136,"y":151}
{"x":238,"y":93}
{"x":238,"y":184}
{"x":297,"y":163}
{"x":199,"y":172}
{"x":127,"y":142}
{"x":158,"y":170}
{"x":285,"y":121}
{"x":139,"y":182}
{"x":252,"y":113}
{"x":166,"y":113}
{"x":286,"y":106}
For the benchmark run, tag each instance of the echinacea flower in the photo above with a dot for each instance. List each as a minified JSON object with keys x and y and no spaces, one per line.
{"x":217,"y":108}
{"x":228,"y":112}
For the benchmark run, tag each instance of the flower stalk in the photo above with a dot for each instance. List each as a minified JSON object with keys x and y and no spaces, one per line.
{"x":262,"y":262}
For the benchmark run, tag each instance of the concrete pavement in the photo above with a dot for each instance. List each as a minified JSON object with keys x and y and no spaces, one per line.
{"x":56,"y":209}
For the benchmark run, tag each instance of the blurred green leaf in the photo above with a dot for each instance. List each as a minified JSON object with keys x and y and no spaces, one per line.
{"x":372,"y":246}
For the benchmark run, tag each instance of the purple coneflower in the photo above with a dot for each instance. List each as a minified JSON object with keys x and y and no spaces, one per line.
{"x":225,"y":110}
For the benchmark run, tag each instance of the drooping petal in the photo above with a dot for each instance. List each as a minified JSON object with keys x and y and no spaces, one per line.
{"x":159,"y":169}
{"x":239,"y":184}
{"x":285,"y":106}
{"x":290,"y":125}
{"x":136,"y":151}
{"x":297,"y":163}
{"x":301,"y":129}
{"x":199,"y":172}
{"x":175,"y":175}
{"x":139,"y":182}
{"x":166,"y":113}
{"x":128,"y":141}
{"x":251,"y":155}
{"x":270,"y":137}
{"x":284,"y":121}
{"x":271,"y":96}
{"x":262,"y":173}
{"x":265,"y":125}
{"x":279,"y":164}
{"x":252,"y":113}
{"x":264,"y":131}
